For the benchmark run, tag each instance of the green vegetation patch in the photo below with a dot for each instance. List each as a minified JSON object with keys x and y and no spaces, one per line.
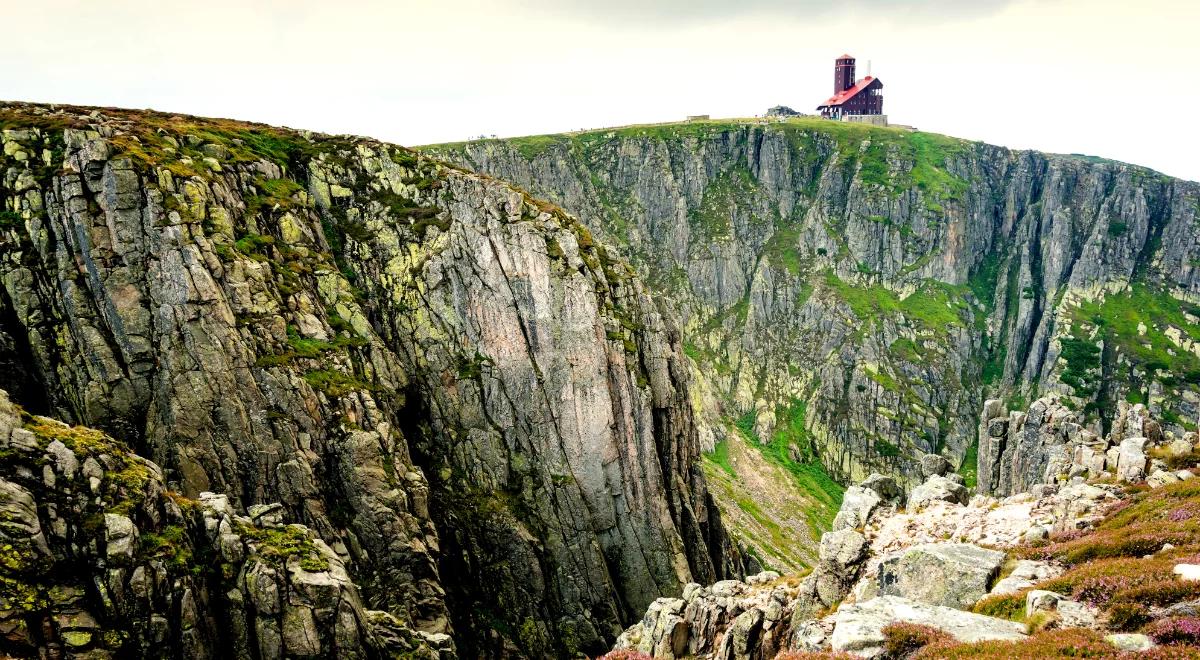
{"x":334,"y":383}
{"x":969,"y":469}
{"x":935,"y":306}
{"x":278,"y":544}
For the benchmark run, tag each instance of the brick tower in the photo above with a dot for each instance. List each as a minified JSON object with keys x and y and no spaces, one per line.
{"x":843,"y":74}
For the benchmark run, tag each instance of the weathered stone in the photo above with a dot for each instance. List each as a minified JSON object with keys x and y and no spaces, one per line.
{"x":950,"y":574}
{"x":1162,"y":478}
{"x":1130,"y":642}
{"x":1025,"y":574}
{"x":1066,"y":613}
{"x":937,"y":489}
{"x":934,"y":465}
{"x":1188,"y":572}
{"x":1131,"y":461}
{"x":859,"y":627}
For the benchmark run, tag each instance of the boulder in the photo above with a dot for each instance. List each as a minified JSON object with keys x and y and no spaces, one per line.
{"x":937,"y":489}
{"x":1131,"y":459}
{"x":1025,"y":574}
{"x":1067,"y":613}
{"x":858,"y":628}
{"x":934,"y":465}
{"x":1188,"y":572}
{"x":1130,"y":642}
{"x":860,"y":502}
{"x":885,"y":487}
{"x":1162,"y":478}
{"x":842,"y":556}
{"x":949,"y":574}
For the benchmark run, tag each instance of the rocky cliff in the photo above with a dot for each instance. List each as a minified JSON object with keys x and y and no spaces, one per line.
{"x":472,"y":401}
{"x":850,"y":293}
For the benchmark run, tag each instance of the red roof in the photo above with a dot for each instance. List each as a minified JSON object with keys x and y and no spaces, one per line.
{"x":846,"y":57}
{"x":842,"y":97}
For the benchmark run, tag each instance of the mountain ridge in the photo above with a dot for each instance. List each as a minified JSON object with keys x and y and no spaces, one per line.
{"x":870,"y":286}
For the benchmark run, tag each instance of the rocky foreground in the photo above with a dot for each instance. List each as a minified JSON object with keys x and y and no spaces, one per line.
{"x":1095,"y":557}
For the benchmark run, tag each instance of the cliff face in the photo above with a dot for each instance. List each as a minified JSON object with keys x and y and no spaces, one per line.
{"x":851,"y":293}
{"x":102,"y":560}
{"x":472,"y":401}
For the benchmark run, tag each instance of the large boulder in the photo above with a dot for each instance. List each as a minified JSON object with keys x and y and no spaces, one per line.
{"x":949,"y":574}
{"x":935,"y":465}
{"x":860,"y":502}
{"x":843,"y":554}
{"x":937,"y":489}
{"x":1131,"y":459}
{"x":858,"y":627}
{"x":1064,"y":612}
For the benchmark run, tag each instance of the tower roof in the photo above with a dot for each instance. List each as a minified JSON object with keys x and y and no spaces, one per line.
{"x":846,"y":57}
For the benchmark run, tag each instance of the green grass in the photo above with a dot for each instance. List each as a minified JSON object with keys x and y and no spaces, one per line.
{"x":1116,"y":320}
{"x":1083,"y":365}
{"x":334,"y":383}
{"x":535,"y":145}
{"x":969,"y":469}
{"x":781,"y":250}
{"x":720,"y":456}
{"x":809,"y":474}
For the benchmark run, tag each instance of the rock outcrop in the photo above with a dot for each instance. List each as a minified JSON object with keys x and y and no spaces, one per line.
{"x":1050,"y":444}
{"x":471,"y":400}
{"x":102,"y":560}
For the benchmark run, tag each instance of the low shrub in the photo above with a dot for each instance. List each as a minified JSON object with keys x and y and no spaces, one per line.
{"x":1183,"y":630}
{"x":1067,"y":643}
{"x":1128,"y":617}
{"x":818,"y":655}
{"x":625,"y":654}
{"x":901,"y":640}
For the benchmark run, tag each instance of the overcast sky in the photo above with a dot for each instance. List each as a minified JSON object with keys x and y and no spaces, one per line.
{"x":1115,"y":79}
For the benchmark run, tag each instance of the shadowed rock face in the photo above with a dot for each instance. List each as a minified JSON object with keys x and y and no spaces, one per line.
{"x":469,"y":398}
{"x":887,"y":279}
{"x":101,"y":560}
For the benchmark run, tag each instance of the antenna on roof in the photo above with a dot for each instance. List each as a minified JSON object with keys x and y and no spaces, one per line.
{"x":868,"y":68}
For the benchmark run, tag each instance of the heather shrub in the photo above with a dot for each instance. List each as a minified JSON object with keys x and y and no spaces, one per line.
{"x":1067,"y":643}
{"x":1165,"y":653}
{"x":625,"y":654}
{"x":1128,"y":617}
{"x":903,"y":639}
{"x":1099,"y":581}
{"x":1184,"y":630}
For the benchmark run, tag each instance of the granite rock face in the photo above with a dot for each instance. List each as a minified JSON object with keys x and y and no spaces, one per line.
{"x":883,"y":279}
{"x":471,"y":400}
{"x":1018,"y":451}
